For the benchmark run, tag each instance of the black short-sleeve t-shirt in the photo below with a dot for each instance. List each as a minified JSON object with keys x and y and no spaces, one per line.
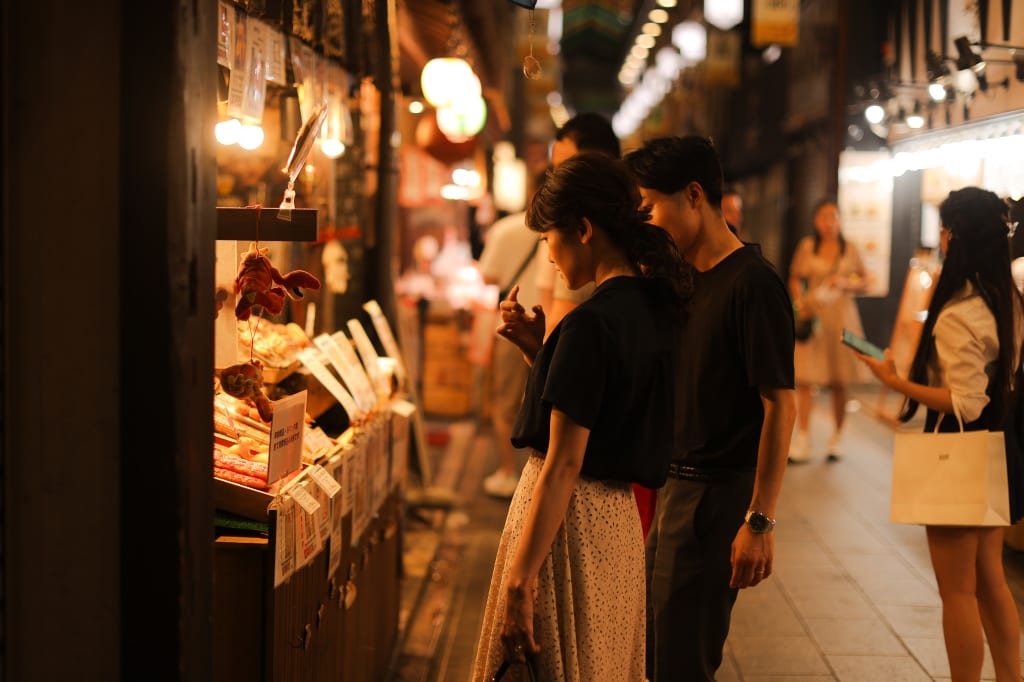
{"x":608,"y":366}
{"x":739,"y":339}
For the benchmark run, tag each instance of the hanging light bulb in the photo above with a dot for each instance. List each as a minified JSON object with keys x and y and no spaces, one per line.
{"x":723,"y":14}
{"x":937,"y":91}
{"x":874,"y":113}
{"x":332,"y":149}
{"x":692,"y":40}
{"x":227,"y":132}
{"x":915,"y":120}
{"x":250,"y":137}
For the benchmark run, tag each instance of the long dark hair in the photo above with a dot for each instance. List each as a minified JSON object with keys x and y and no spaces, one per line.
{"x":600,"y":188}
{"x":818,"y":205}
{"x":978,"y":252}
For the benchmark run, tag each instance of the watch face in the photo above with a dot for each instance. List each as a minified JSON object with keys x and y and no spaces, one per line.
{"x":759,"y":523}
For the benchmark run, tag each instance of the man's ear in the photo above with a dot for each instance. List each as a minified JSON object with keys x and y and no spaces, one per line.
{"x":586,"y":230}
{"x":694,"y":194}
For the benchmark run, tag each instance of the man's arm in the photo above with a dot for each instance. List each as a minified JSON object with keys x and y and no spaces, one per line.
{"x":752,"y":552}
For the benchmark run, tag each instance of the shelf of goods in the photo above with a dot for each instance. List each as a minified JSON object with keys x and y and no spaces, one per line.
{"x":317,"y":596}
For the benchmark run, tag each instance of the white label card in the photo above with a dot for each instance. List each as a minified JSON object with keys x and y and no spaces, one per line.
{"x":355,"y":380}
{"x":317,"y":439}
{"x":380,"y":323}
{"x":286,"y":431}
{"x":305,"y":500}
{"x":344,"y":345}
{"x":369,"y":355}
{"x":284,"y":542}
{"x":324,"y":480}
{"x":323,"y":375}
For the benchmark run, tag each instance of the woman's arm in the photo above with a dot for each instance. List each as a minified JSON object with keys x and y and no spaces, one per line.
{"x":938,"y":398}
{"x":545,"y":515}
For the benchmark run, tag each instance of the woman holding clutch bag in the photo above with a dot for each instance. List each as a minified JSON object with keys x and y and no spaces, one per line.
{"x":965,"y":366}
{"x":567,"y":592}
{"x":825,"y":273}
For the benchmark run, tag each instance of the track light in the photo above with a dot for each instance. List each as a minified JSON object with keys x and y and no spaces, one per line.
{"x":915,"y":120}
{"x":967,"y":58}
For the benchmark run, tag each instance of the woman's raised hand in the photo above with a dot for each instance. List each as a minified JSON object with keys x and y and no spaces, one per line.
{"x":526,"y":331}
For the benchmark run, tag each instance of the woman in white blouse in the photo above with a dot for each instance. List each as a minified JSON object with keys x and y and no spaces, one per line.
{"x":965,"y":366}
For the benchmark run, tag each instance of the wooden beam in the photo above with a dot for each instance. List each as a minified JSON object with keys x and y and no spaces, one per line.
{"x":239,"y":224}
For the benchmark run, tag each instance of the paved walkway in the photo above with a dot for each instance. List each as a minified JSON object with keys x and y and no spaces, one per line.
{"x":853,"y":597}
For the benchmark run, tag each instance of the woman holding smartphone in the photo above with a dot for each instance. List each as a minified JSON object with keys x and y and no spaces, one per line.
{"x":567,"y":592}
{"x":964,"y":369}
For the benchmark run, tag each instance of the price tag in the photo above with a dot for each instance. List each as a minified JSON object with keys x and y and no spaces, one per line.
{"x":305,"y":500}
{"x":324,"y":480}
{"x":380,"y":323}
{"x":284,"y":542}
{"x":317,"y":439}
{"x":348,"y":368}
{"x":323,"y":375}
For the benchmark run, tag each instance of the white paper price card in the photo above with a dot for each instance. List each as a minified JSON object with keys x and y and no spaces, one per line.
{"x":369,"y":355}
{"x":380,"y":323}
{"x":284,"y":541}
{"x":305,"y":500}
{"x":317,"y":440}
{"x":324,"y":480}
{"x":286,"y":429}
{"x":323,"y":375}
{"x":307,"y":536}
{"x":344,"y":345}
{"x":356,"y":381}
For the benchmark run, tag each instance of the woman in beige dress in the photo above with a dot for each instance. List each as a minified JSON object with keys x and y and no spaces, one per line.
{"x":825,"y":274}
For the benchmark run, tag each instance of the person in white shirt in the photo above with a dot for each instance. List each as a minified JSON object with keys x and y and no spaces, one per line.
{"x":966,"y":366}
{"x":508,"y":259}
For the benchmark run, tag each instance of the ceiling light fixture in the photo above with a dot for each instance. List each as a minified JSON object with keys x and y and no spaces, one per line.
{"x":651,"y":29}
{"x":723,"y":14}
{"x":658,"y":16}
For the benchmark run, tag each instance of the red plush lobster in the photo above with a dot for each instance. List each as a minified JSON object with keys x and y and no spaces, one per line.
{"x":255,"y":284}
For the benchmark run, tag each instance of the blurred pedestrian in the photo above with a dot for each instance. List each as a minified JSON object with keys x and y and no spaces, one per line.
{"x":825,"y":273}
{"x":732,"y":210}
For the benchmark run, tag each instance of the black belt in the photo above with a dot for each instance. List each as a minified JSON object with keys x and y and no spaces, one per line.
{"x":688,"y":473}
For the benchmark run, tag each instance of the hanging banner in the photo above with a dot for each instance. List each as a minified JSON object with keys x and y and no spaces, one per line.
{"x":722,"y":64}
{"x":225,"y":21}
{"x":775,"y":22}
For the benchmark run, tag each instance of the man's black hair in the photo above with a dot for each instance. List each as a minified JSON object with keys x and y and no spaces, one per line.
{"x":669,"y":164}
{"x":591,"y":132}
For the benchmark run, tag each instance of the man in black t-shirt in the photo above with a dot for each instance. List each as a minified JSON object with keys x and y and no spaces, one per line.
{"x":712,"y":532}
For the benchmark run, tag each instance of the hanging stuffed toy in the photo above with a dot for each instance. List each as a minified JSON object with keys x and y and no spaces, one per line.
{"x":245,"y":382}
{"x":260,"y":283}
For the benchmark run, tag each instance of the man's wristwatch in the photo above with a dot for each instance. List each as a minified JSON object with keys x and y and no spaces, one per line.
{"x":759,"y":523}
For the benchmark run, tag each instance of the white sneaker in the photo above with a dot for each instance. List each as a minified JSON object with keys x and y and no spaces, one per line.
{"x":800,"y":448}
{"x":834,"y":449}
{"x":500,"y":484}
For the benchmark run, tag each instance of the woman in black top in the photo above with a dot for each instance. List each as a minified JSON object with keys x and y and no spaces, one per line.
{"x":568,"y":584}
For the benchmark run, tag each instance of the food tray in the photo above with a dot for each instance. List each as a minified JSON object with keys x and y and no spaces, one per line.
{"x":275,"y":375}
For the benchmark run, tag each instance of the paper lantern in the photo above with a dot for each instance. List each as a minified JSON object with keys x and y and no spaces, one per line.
{"x":464,"y":119}
{"x":446,"y":79}
{"x":723,"y":14}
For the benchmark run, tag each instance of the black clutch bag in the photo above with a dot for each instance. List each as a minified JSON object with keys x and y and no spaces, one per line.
{"x":506,"y":664}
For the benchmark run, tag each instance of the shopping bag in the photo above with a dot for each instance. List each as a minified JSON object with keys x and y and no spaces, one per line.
{"x":950,"y":479}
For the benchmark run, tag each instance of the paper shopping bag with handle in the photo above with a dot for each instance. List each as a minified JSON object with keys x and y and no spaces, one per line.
{"x":950,"y":479}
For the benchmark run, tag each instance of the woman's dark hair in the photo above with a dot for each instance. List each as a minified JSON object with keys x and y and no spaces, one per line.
{"x":818,"y":205}
{"x":600,"y":188}
{"x":978,"y":252}
{"x":669,"y":164}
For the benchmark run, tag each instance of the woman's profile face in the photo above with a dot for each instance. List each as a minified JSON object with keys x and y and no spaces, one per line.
{"x":826,"y":221}
{"x":564,"y":252}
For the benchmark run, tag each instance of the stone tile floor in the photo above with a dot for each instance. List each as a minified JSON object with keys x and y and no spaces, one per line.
{"x":853,"y":597}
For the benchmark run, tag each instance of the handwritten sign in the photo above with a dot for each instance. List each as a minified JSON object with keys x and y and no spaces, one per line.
{"x":309,"y":358}
{"x":285,"y":454}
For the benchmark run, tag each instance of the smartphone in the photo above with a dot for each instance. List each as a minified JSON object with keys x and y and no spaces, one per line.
{"x":862,"y":345}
